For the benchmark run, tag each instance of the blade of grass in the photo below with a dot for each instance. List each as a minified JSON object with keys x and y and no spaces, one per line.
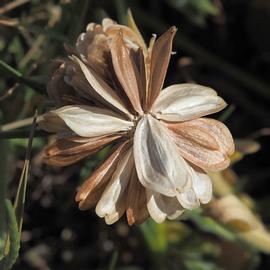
{"x":17,"y":75}
{"x":113,"y":260}
{"x":227,"y":113}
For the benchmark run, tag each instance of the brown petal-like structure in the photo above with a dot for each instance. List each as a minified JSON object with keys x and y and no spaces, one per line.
{"x":53,"y":123}
{"x":102,"y":88}
{"x":131,"y":38}
{"x":91,"y":190}
{"x":136,"y":201}
{"x":160,"y":58}
{"x":66,"y":151}
{"x":126,"y":71}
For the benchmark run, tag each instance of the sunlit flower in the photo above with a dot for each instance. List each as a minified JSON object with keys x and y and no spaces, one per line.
{"x":109,"y":91}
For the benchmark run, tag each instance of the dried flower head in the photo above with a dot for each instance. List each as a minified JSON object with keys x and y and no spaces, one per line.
{"x":109,"y":91}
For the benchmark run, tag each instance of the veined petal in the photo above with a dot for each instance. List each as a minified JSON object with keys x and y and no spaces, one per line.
{"x":160,"y":58}
{"x":161,"y":207}
{"x":182,"y":102}
{"x":112,"y":204}
{"x":126,"y":71}
{"x":207,"y":143}
{"x":88,"y":121}
{"x":219,"y":131}
{"x":158,"y":163}
{"x":92,"y":189}
{"x":65,"y":160}
{"x":136,"y":201}
{"x":102,"y":88}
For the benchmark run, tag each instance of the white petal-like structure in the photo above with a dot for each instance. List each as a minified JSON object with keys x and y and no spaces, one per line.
{"x":182,"y":102}
{"x":202,"y":186}
{"x":89,"y":121}
{"x":161,"y":207}
{"x":199,"y":192}
{"x":112,"y":203}
{"x":159,"y":165}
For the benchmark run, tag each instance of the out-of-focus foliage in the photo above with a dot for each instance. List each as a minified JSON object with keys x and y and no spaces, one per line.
{"x":196,"y":11}
{"x":228,"y":51}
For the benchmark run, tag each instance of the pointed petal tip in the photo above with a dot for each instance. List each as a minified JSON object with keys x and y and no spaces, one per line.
{"x":173,"y":29}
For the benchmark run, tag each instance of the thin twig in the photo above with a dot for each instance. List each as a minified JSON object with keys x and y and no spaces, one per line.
{"x":12,"y":5}
{"x":19,"y":123}
{"x":9,"y":92}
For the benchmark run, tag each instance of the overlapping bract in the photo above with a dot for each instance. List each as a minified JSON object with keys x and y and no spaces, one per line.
{"x":109,"y":91}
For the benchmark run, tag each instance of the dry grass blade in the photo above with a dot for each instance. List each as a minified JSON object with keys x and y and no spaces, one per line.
{"x":20,"y":196}
{"x":9,"y":22}
{"x":12,"y":5}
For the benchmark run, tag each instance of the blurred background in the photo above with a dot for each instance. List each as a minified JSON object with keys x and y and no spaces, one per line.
{"x":224,"y":44}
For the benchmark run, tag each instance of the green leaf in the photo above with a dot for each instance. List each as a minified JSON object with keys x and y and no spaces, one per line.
{"x":209,"y":225}
{"x":200,"y":265}
{"x":13,"y":240}
{"x":155,"y":236}
{"x":204,"y":6}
